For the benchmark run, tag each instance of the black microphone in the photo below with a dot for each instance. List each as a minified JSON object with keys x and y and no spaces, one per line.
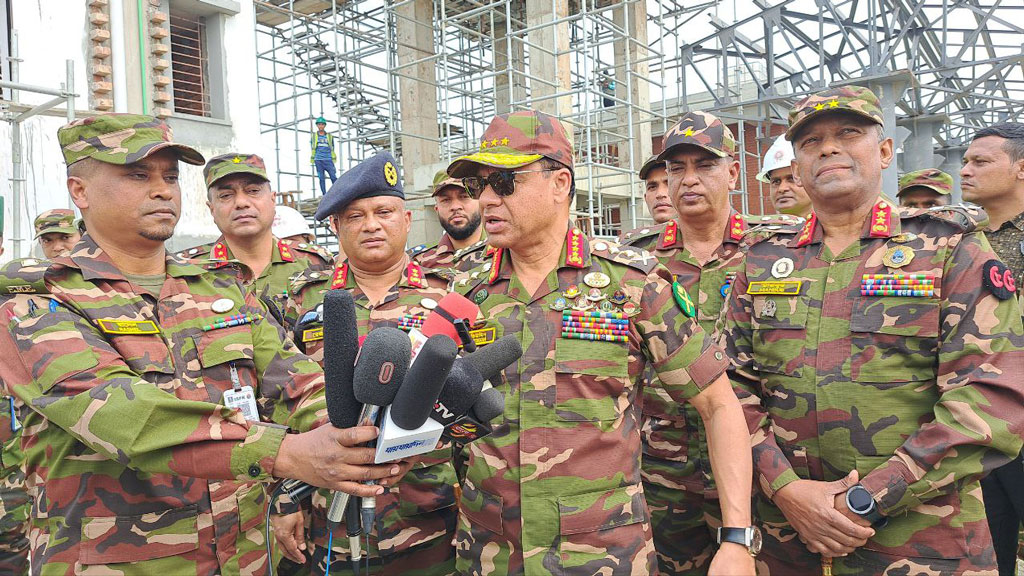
{"x":341,"y":346}
{"x":491,"y":360}
{"x":476,"y":423}
{"x":377,"y":376}
{"x":461,"y":390}
{"x":424,"y":382}
{"x":489,"y":406}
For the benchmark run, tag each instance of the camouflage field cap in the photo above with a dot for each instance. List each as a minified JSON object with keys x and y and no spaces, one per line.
{"x":234,"y":163}
{"x":442,"y":180}
{"x":120,"y":139}
{"x":856,"y":99}
{"x":651,"y":163}
{"x":517,"y":139}
{"x":59,"y":220}
{"x":699,"y":129}
{"x":931,"y":178}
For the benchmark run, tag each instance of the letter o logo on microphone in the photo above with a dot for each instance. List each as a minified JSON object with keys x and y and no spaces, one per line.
{"x":387,"y":370}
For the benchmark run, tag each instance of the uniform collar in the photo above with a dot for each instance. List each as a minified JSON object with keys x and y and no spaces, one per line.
{"x":575,"y":254}
{"x":280,"y":251}
{"x":882,"y":222}
{"x":672,"y":237}
{"x":95,"y":264}
{"x":1017,"y":222}
{"x":412,"y":277}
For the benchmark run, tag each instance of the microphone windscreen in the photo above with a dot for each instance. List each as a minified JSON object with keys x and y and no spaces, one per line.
{"x":454,"y":305}
{"x":492,"y":359}
{"x":489,"y":406}
{"x":382,"y":365}
{"x":341,"y":345}
{"x":460,"y":392}
{"x":424,"y":381}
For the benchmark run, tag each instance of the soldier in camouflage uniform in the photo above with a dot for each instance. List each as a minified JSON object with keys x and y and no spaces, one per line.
{"x":56,"y":231}
{"x":242,"y":205}
{"x":415,"y":522}
{"x":152,"y":418}
{"x":993,"y":177}
{"x":926,"y":188}
{"x":703,"y":248}
{"x":656,"y":194}
{"x":556,"y":488}
{"x":462,"y":246}
{"x":880,"y":349}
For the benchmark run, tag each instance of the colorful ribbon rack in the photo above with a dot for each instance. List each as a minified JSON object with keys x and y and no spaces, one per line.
{"x":914,"y":285}
{"x":408,"y":322}
{"x":595,"y":325}
{"x":233,"y":320}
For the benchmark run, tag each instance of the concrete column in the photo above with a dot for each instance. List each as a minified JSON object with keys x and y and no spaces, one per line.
{"x":952,"y":161}
{"x":509,"y":84}
{"x":919,"y":148}
{"x":417,"y":87}
{"x":889,"y":91}
{"x":549,"y":55}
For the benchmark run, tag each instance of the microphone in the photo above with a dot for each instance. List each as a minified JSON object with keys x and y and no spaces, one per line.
{"x":452,"y":316}
{"x":475,"y":424}
{"x":341,"y":346}
{"x":491,"y":360}
{"x":424,"y":382}
{"x":490,"y":405}
{"x":378,"y":373}
{"x":461,"y":390}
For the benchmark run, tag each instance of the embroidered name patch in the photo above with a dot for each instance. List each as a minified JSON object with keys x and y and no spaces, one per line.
{"x":121,"y":327}
{"x":775,"y":287}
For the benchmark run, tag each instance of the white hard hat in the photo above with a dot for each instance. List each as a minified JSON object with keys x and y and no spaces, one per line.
{"x":288,"y":222}
{"x":778,"y":156}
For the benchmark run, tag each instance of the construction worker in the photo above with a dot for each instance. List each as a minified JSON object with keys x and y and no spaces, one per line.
{"x":323,"y":155}
{"x":784,"y":191}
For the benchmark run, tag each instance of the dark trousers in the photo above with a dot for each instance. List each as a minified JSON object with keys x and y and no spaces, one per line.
{"x":1003,"y":491}
{"x":323,"y":166}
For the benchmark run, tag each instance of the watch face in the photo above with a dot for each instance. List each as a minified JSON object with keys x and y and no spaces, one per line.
{"x":755,"y":541}
{"x":860,"y":500}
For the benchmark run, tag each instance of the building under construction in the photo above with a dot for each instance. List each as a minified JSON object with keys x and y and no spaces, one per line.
{"x":423,"y":78}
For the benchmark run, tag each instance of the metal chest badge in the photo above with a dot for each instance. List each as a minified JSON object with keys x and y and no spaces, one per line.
{"x":480,"y":296}
{"x":571,"y":292}
{"x":769,"y":309}
{"x":782,"y":268}
{"x":683,"y":300}
{"x":898,"y":256}
{"x":559,"y":304}
{"x":597,"y":280}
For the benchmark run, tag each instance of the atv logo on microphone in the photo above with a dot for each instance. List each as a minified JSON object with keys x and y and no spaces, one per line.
{"x":387,"y":370}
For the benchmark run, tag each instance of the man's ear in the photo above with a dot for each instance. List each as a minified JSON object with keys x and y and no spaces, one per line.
{"x":734,"y":174}
{"x":886,"y":150}
{"x":563,"y":185}
{"x":77,"y":190}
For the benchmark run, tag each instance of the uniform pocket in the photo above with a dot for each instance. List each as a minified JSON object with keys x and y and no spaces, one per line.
{"x":597,"y":524}
{"x":220,"y":350}
{"x":112,"y":540}
{"x":893,"y":339}
{"x":779,"y":333}
{"x":144,"y":352}
{"x":590,"y":377}
{"x":481,"y":509}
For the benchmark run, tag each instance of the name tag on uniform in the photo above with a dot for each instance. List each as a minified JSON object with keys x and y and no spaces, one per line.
{"x":243,"y":399}
{"x":121,"y":327}
{"x":775,"y":287}
{"x":20,"y":289}
{"x":313,"y":334}
{"x":483,"y":336}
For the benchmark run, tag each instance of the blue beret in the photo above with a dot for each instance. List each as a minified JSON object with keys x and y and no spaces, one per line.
{"x":375,"y":176}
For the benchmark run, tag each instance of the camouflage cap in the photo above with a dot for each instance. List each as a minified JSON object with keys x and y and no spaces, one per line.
{"x":851,"y":99}
{"x":59,"y":220}
{"x":442,"y":180}
{"x":651,"y":163}
{"x":120,"y":139}
{"x":517,"y":139}
{"x":699,"y":129}
{"x":931,"y":178}
{"x":234,"y":163}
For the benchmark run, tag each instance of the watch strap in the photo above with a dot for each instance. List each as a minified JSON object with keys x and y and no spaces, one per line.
{"x":734,"y":535}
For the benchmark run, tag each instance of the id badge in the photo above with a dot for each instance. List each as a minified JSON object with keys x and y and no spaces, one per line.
{"x":245,"y":400}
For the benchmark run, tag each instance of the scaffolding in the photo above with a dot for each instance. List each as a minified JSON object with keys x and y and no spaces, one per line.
{"x":424,"y":77}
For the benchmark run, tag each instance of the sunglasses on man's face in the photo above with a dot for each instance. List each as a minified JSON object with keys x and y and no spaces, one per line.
{"x":503,"y":182}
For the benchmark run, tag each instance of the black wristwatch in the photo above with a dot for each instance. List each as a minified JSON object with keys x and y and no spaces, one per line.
{"x":749,"y":537}
{"x":860,"y":502}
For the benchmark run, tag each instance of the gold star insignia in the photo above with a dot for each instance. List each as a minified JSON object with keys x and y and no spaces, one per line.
{"x":504,"y":141}
{"x":483,"y":144}
{"x":819,"y":106}
{"x":237,"y":159}
{"x":688,"y":132}
{"x":833,"y":104}
{"x":494,"y":142}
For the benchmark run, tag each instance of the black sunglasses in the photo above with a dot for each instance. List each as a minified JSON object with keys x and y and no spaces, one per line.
{"x":502,"y":182}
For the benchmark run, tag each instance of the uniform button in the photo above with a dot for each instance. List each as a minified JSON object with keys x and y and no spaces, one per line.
{"x":255,"y":471}
{"x":718,"y":355}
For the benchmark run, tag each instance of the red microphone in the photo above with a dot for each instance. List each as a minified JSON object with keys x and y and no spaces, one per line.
{"x":452,"y":316}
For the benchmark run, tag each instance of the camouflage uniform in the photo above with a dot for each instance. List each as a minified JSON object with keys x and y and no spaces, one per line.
{"x":415,"y":519}
{"x":60,"y":220}
{"x":914,"y":388}
{"x":289,"y":259}
{"x":444,"y":255}
{"x":676,"y":464}
{"x":136,"y":465}
{"x":931,"y":178}
{"x":21,"y":286}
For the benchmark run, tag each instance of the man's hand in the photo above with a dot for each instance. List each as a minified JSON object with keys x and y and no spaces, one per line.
{"x":732,"y":560}
{"x":289,"y":530}
{"x":811,"y":508}
{"x":333,"y":458}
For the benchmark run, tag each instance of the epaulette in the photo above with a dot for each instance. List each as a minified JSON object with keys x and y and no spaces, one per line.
{"x":637,"y":234}
{"x":764,"y":226}
{"x":24,"y":276}
{"x":463,"y":282}
{"x":310,"y":249}
{"x":417,"y":250}
{"x":234,"y":268}
{"x":471,"y":248}
{"x":633,"y":257}
{"x":299,"y":281}
{"x":196,"y":252}
{"x":446,"y":274}
{"x":967,"y":218}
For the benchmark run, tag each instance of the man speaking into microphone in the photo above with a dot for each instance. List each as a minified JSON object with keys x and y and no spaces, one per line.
{"x":415,"y":522}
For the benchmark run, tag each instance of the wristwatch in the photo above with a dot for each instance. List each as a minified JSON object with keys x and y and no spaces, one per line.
{"x":860,"y":502}
{"x":749,"y":537}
